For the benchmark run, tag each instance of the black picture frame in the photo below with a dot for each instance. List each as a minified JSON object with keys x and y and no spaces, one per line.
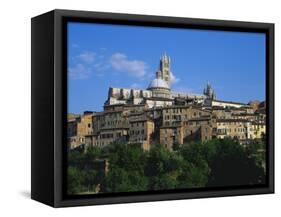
{"x":49,"y":89}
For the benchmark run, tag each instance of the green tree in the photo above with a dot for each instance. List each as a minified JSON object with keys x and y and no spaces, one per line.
{"x":195,"y":170}
{"x":128,"y":156}
{"x":120,"y":180}
{"x":126,"y":170}
{"x":217,"y":162}
{"x":75,"y":180}
{"x":231,"y":165}
{"x":82,"y":174}
{"x":163,"y":168}
{"x":257,"y":150}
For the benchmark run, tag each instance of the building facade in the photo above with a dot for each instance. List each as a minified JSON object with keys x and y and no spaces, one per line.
{"x":159,"y":115}
{"x":78,"y":128}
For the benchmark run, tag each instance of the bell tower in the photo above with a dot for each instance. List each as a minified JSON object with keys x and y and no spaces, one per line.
{"x":164,"y":69}
{"x":209,"y":91}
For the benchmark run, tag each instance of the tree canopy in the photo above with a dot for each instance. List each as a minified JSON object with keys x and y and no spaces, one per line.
{"x":214,"y":163}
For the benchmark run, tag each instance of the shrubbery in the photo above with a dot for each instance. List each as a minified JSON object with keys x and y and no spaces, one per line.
{"x":208,"y":164}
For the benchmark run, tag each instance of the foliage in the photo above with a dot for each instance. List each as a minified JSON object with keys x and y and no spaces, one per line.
{"x":256,"y":149}
{"x":231,"y":165}
{"x":163,"y":168}
{"x":192,"y":165}
{"x":81,"y":174}
{"x":126,"y":170}
{"x":74,"y":181}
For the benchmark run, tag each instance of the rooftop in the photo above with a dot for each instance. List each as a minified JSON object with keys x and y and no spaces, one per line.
{"x":158,"y":83}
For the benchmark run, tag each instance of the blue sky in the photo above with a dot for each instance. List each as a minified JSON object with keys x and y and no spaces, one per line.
{"x":103,"y":55}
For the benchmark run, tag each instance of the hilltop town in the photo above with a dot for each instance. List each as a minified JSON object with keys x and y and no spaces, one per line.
{"x":159,"y":115}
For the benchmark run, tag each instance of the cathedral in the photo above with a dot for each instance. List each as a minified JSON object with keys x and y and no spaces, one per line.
{"x":160,"y":115}
{"x":158,"y":92}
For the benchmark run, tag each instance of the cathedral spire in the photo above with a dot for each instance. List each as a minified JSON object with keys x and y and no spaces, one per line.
{"x":209,"y":91}
{"x":164,"y":72}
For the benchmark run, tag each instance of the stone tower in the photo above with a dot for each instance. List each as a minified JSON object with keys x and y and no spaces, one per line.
{"x":209,"y":91}
{"x":164,"y":72}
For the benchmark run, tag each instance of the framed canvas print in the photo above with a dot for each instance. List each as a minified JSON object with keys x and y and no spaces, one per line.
{"x":133,"y":108}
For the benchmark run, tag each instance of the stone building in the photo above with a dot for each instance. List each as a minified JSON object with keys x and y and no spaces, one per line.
{"x":141,"y":131}
{"x":159,"y":115}
{"x":259,"y":126}
{"x":181,"y":124}
{"x":233,"y":128}
{"x":221,"y":112}
{"x":199,"y":129}
{"x":158,"y":93}
{"x":225,"y":104}
{"x":170,"y":136}
{"x":78,"y":127}
{"x":109,"y":126}
{"x":174,"y":115}
{"x":258,"y":130}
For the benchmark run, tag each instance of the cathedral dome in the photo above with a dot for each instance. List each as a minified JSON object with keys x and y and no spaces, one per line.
{"x":158,"y":83}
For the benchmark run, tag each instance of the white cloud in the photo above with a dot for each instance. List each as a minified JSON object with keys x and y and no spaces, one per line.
{"x":182,"y":89}
{"x":79,"y":71}
{"x":101,"y":66}
{"x":136,"y":68}
{"x":87,"y":64}
{"x":136,"y":85}
{"x":75,"y":45}
{"x":174,"y":79}
{"x":87,"y":57}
